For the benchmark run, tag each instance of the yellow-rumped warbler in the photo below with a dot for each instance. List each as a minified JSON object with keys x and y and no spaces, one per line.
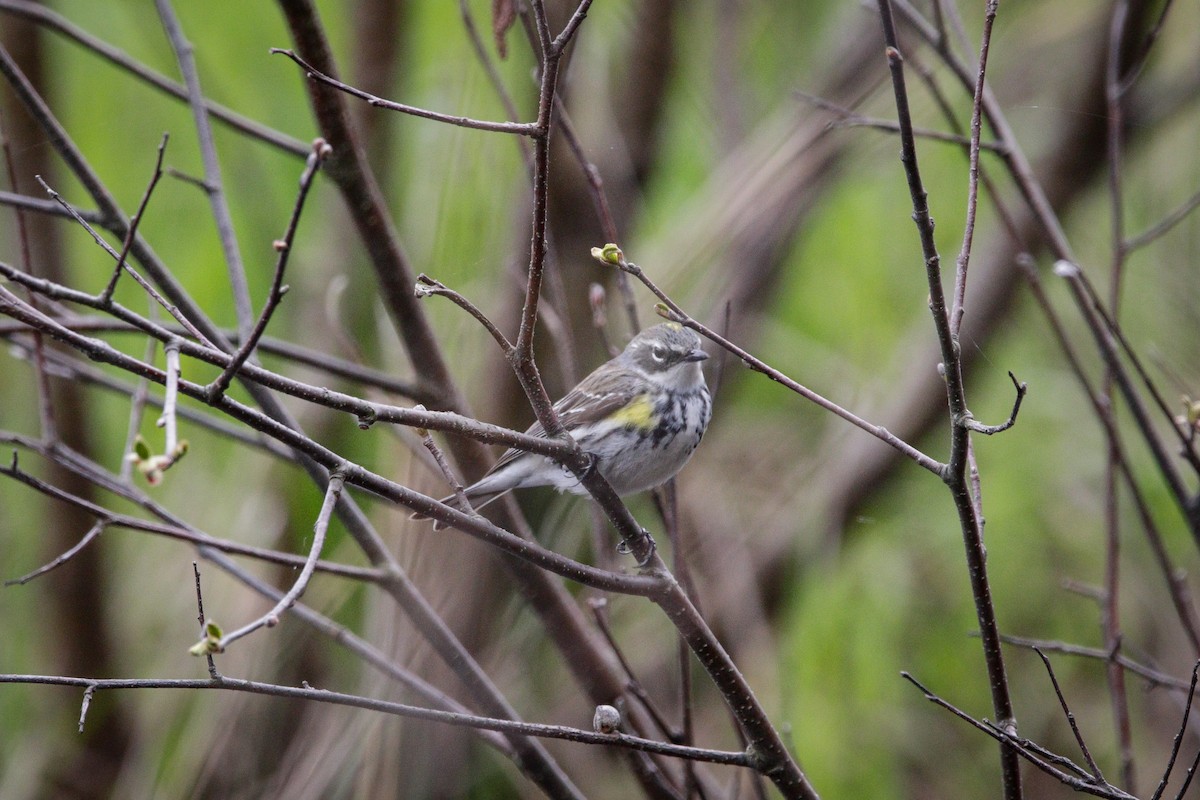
{"x":640,"y":416}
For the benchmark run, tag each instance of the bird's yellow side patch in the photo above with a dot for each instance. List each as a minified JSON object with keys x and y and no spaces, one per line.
{"x":638,"y":413}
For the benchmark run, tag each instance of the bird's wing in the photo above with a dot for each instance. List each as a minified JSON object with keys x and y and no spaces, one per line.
{"x":591,"y":400}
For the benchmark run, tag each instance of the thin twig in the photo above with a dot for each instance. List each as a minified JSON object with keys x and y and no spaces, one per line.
{"x":988,"y":430}
{"x":150,"y":290}
{"x":52,"y":20}
{"x":171,"y":397}
{"x":1062,"y":701}
{"x":849,"y":118}
{"x":50,"y":208}
{"x":1076,"y":778}
{"x":85,"y":704}
{"x":1165,"y":224}
{"x":1178,"y":740}
{"x":283,"y":249}
{"x":964,"y":254}
{"x":460,"y":496}
{"x":519,"y":128}
{"x":427,"y":286}
{"x":236,"y":270}
{"x":1152,"y":676}
{"x":1191,"y":773}
{"x":309,"y":693}
{"x":333,"y":493}
{"x":135,"y":220}
{"x":63,"y":558}
{"x":1115,"y":121}
{"x":203,"y":620}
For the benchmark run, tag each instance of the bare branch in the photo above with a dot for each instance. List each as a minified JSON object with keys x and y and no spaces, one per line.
{"x":134,"y":221}
{"x":203,"y":620}
{"x":92,"y":533}
{"x":283,"y":248}
{"x":333,"y":493}
{"x":519,"y":128}
{"x":964,"y":254}
{"x":970,"y":517}
{"x":1178,"y":740}
{"x":427,"y":286}
{"x":579,"y":735}
{"x":54,"y":21}
{"x":112,"y":519}
{"x":1062,"y":701}
{"x":988,"y":430}
{"x":215,"y":187}
{"x":1076,"y":778}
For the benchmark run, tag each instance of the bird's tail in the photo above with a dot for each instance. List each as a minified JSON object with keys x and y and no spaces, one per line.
{"x":477,"y":499}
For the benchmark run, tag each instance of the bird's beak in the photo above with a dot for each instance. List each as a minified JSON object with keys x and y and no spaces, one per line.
{"x":696,"y":355}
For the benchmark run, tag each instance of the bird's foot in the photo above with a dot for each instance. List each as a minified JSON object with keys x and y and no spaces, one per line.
{"x":624,"y":548}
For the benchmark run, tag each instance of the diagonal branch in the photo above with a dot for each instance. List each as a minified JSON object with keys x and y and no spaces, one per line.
{"x":213,"y":184}
{"x":284,"y":248}
{"x":519,"y":128}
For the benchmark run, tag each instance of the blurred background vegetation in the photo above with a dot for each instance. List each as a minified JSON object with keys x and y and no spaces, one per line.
{"x":826,"y":566}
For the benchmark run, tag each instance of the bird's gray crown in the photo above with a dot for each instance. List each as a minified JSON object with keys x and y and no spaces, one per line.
{"x":663,"y":346}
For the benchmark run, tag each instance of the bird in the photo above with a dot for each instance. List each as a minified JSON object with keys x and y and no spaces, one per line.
{"x":639,"y":416}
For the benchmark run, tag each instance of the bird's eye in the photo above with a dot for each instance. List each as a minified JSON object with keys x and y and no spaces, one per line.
{"x":658,"y":353}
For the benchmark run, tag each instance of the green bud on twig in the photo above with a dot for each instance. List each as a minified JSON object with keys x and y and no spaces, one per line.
{"x":609,"y":254}
{"x":211,"y":643}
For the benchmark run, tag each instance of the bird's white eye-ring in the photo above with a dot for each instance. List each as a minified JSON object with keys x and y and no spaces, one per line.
{"x":658,"y":353}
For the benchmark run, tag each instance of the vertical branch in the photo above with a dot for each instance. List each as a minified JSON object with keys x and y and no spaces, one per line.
{"x":171,"y":398}
{"x":395,"y":277}
{"x":608,"y":224}
{"x":521,"y":356}
{"x":1175,"y":579}
{"x":137,"y":408}
{"x":541,"y":167}
{"x":954,"y":474}
{"x":1114,"y":673}
{"x":44,"y":397}
{"x":212,"y":168}
{"x":1178,"y":740}
{"x":964,"y":255}
{"x":212,"y":667}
